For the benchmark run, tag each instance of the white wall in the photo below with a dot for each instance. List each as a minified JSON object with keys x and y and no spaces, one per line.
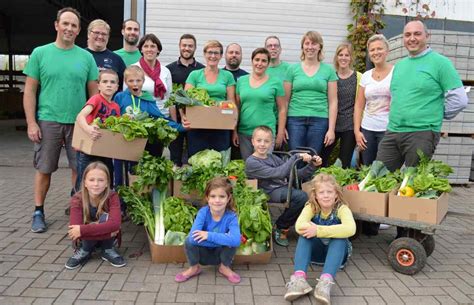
{"x":247,"y":23}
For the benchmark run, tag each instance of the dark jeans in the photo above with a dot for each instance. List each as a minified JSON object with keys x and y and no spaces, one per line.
{"x":397,"y":148}
{"x":201,"y":139}
{"x":90,"y":245}
{"x":333,"y":252}
{"x":296,"y":205}
{"x":177,"y":149}
{"x":346,"y":148}
{"x":373,"y":140}
{"x":306,"y":132}
{"x":209,"y":256}
{"x":83,"y":160}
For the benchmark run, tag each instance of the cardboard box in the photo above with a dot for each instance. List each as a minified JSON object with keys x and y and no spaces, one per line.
{"x":430,"y":211}
{"x":212,"y":117}
{"x":166,"y":254}
{"x":194,"y":195}
{"x":261,"y":258}
{"x":370,"y":203}
{"x":110,"y":144}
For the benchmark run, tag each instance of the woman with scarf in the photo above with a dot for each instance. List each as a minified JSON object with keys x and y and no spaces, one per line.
{"x":157,"y":85}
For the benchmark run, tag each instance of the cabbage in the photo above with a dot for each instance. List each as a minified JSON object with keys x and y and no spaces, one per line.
{"x":206,"y":158}
{"x":244,"y":249}
{"x":175,"y":238}
{"x":258,"y":248}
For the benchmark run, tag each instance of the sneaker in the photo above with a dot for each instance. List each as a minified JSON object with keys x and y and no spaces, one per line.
{"x":111,"y":256}
{"x":322,"y":291}
{"x":79,"y":258}
{"x":38,"y":225}
{"x":296,"y":287}
{"x":281,"y":237}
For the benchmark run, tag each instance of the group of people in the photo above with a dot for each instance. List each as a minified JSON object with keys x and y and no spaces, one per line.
{"x":388,"y":113}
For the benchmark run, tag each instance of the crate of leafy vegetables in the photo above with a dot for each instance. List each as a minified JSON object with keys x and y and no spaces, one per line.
{"x":423,"y":194}
{"x":255,"y":226}
{"x":203,"y":112}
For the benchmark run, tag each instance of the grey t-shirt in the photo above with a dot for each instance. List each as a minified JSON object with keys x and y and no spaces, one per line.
{"x":346,"y":94}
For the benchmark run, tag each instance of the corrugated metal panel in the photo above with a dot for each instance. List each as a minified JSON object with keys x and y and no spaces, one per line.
{"x":247,"y":23}
{"x":444,"y":9}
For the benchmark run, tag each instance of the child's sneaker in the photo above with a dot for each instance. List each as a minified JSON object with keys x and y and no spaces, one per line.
{"x":38,"y":225}
{"x":115,"y":259}
{"x":296,"y":287}
{"x":80,"y":257}
{"x":322,"y":292}
{"x":281,"y":237}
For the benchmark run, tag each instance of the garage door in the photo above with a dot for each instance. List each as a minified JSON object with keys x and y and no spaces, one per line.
{"x":247,"y":23}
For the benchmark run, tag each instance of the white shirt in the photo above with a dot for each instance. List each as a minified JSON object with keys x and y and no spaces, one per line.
{"x":377,"y":101}
{"x":149,"y":86}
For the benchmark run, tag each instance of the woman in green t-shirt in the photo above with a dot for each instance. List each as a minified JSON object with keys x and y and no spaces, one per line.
{"x":220,"y":85}
{"x":257,"y":96}
{"x":312,"y":110}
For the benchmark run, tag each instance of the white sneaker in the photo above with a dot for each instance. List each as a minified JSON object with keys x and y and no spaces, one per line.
{"x":322,"y":292}
{"x":296,"y":287}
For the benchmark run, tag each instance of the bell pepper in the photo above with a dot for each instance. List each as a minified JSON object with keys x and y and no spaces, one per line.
{"x":407,"y":191}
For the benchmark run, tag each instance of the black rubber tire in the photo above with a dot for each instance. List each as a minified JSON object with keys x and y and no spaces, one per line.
{"x":406,"y":255}
{"x":429,"y":245}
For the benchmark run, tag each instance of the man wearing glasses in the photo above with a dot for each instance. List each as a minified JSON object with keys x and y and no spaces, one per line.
{"x":98,"y":33}
{"x":64,"y":71}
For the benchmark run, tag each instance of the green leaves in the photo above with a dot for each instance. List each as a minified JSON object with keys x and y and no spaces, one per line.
{"x":153,"y":171}
{"x":179,"y":216}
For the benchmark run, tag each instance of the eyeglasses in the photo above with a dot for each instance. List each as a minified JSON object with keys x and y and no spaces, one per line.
{"x":271,"y":46}
{"x":216,"y":53}
{"x":96,"y":33}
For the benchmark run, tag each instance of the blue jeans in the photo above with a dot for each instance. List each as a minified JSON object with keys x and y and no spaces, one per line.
{"x":373,"y":139}
{"x":333,"y":254}
{"x":90,"y":245}
{"x":209,"y":256}
{"x":201,"y":139}
{"x":296,"y":205}
{"x":83,"y":160}
{"x":307,"y":132}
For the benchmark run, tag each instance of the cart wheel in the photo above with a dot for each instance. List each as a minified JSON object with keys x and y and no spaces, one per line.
{"x":429,"y":245}
{"x":406,"y":255}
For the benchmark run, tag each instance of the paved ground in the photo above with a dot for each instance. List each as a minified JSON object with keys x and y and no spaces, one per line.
{"x":32,"y":265}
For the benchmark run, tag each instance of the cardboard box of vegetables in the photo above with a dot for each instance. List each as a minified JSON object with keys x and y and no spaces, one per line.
{"x":203,"y":112}
{"x":423,"y":193}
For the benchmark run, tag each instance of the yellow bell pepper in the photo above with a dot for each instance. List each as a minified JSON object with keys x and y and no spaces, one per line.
{"x":407,"y":191}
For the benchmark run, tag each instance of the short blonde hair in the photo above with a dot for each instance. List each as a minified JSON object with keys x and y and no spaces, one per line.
{"x":314,"y":37}
{"x":213,"y":44}
{"x":378,"y":37}
{"x":133,"y":70}
{"x":339,"y":49}
{"x":97,"y":23}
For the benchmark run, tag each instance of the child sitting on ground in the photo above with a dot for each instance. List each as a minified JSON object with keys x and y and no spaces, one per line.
{"x":324,"y":226}
{"x":99,"y":106}
{"x":95,"y":218}
{"x":215,"y":234}
{"x":272,"y":172}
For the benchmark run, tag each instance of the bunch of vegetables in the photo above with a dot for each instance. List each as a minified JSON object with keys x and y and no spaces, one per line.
{"x":178,"y":215}
{"x":427,"y":180}
{"x":145,"y":127}
{"x":378,"y":179}
{"x":343,"y":176}
{"x":190,"y":97}
{"x":254,"y":220}
{"x":139,"y":208}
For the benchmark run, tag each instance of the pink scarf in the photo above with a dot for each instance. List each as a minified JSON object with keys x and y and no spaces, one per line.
{"x":154,"y":74}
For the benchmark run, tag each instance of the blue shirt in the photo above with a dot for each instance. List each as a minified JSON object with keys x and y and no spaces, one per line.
{"x":124,"y":100}
{"x":225,"y":232}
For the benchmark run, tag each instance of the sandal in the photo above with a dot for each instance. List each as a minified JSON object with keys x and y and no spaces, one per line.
{"x":180,"y":277}
{"x":234,"y":278}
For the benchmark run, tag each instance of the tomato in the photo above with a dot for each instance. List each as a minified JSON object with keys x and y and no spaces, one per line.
{"x":353,"y":187}
{"x":243,"y":239}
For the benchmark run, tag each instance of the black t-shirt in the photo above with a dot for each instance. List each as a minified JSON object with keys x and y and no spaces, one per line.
{"x":236,"y":73}
{"x":180,"y":72}
{"x":109,"y":60}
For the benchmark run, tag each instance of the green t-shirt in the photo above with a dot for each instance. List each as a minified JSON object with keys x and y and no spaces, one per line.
{"x":62,"y":76}
{"x":418,"y":87}
{"x":309,"y":95}
{"x":279,"y":71}
{"x":256,"y":104}
{"x":129,"y":58}
{"x":218,"y":90}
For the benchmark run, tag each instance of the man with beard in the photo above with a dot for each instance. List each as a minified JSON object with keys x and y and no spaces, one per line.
{"x":98,"y":33}
{"x":131,"y":34}
{"x":63,"y":71}
{"x":180,"y":70}
{"x":233,"y":58}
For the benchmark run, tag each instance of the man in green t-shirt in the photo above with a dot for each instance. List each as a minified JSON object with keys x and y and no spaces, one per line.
{"x":131,"y":33}
{"x":425,"y":89}
{"x":64,"y":71}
